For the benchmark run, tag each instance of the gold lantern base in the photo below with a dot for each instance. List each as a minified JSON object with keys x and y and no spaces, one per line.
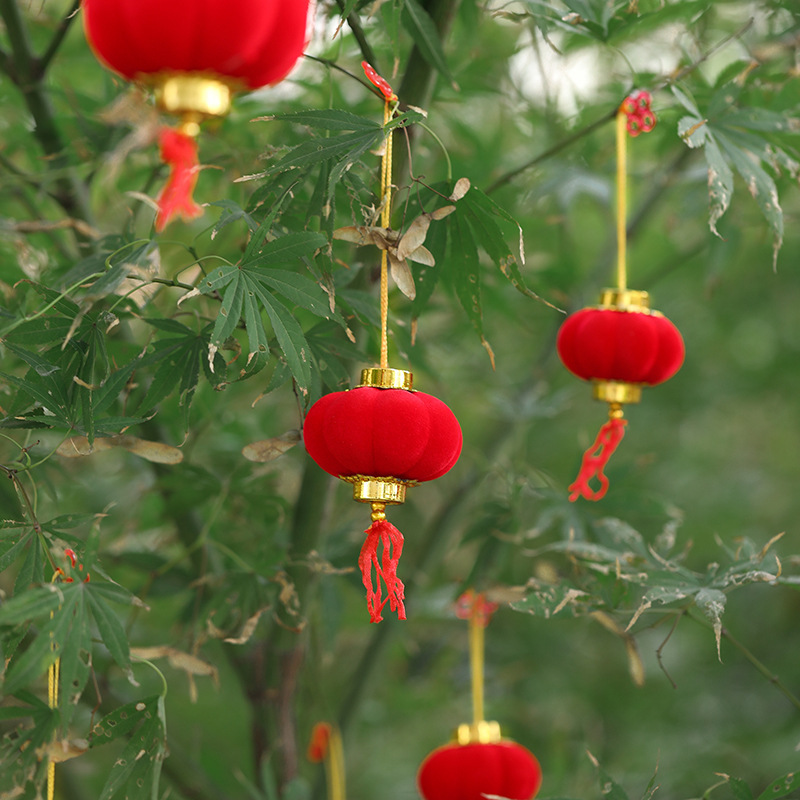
{"x":384,"y":491}
{"x":482,"y":732}
{"x":616,"y":392}
{"x":193,"y":97}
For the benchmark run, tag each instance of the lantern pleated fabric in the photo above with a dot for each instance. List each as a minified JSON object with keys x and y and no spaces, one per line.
{"x":195,"y":54}
{"x":479,"y":769}
{"x":382,"y":437}
{"x":620,"y":346}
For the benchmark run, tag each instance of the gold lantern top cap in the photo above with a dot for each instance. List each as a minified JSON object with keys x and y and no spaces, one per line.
{"x":625,"y":300}
{"x":386,"y":378}
{"x":482,"y":732}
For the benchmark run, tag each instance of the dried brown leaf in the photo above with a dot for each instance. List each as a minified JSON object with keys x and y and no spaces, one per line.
{"x":414,"y":237}
{"x":422,"y":256}
{"x":156,"y":452}
{"x":269,"y":449}
{"x":401,"y":275}
{"x":441,"y":213}
{"x":248,"y":628}
{"x":56,"y":752}
{"x":460,"y":189}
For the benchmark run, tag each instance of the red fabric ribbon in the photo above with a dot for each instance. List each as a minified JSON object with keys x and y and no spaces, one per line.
{"x":179,"y":150}
{"x":320,"y":741}
{"x":595,"y":460}
{"x":382,"y":532}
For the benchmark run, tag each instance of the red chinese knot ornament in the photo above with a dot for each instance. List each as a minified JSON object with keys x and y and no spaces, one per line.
{"x":620,"y":346}
{"x":195,"y":54}
{"x":382,"y":437}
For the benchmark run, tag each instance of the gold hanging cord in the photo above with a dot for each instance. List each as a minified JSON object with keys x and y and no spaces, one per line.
{"x":386,"y":209}
{"x":622,"y":198}
{"x":389,"y":106}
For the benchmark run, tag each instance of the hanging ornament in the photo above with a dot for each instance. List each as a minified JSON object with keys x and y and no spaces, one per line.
{"x":382,"y":436}
{"x":195,"y":54}
{"x":620,"y":345}
{"x":479,"y":763}
{"x":326,"y":747}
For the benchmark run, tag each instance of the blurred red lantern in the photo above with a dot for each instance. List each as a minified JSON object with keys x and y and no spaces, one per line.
{"x":382,"y":437}
{"x":619,"y":346}
{"x":195,"y":54}
{"x":477,"y":765}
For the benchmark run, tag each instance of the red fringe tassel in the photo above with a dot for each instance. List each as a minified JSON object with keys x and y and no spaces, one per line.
{"x":382,"y":531}
{"x":595,"y":460}
{"x":179,"y":150}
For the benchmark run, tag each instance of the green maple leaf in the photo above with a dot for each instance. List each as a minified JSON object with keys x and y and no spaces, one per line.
{"x":254,"y":286}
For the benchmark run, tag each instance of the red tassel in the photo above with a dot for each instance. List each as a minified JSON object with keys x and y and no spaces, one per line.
{"x":319,"y":744}
{"x":179,"y":150}
{"x":382,"y":531}
{"x":595,"y":460}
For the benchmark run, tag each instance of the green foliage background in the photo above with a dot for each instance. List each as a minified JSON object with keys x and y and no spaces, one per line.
{"x":224,"y":617}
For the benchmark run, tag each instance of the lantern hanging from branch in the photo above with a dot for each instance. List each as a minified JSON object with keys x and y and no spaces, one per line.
{"x":383,"y":436}
{"x":620,"y":345}
{"x":479,"y":763}
{"x":195,"y":54}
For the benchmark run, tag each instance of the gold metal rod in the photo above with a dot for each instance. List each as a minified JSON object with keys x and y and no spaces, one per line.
{"x":622,"y":200}
{"x":476,"y":647}
{"x":386,"y":210}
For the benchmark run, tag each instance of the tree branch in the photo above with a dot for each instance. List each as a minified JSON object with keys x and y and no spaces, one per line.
{"x":354,"y":23}
{"x":608,"y":116}
{"x":43,"y":62}
{"x":419,"y":77}
{"x":552,"y":151}
{"x":23,"y":69}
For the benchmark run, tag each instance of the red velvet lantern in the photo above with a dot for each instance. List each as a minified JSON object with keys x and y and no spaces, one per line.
{"x":195,"y":54}
{"x":382,"y":437}
{"x":619,"y":346}
{"x":478,"y":764}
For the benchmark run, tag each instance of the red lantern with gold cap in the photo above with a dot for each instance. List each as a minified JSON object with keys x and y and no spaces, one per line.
{"x":195,"y":54}
{"x":479,"y":763}
{"x":620,"y":345}
{"x":382,"y":437}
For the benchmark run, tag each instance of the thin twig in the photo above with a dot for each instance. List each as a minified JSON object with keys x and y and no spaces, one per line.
{"x":609,"y":115}
{"x":762,"y":668}
{"x":660,"y":648}
{"x":354,"y":23}
{"x":43,"y":62}
{"x":24,"y":70}
{"x":554,"y":150}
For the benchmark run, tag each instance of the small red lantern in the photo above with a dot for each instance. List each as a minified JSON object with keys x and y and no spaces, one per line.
{"x":478,"y":764}
{"x":619,"y":346}
{"x":195,"y":54}
{"x":382,"y":437}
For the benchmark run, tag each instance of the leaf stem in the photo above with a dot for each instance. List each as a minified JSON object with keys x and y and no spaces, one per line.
{"x":751,"y":657}
{"x":762,"y":668}
{"x":43,"y":62}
